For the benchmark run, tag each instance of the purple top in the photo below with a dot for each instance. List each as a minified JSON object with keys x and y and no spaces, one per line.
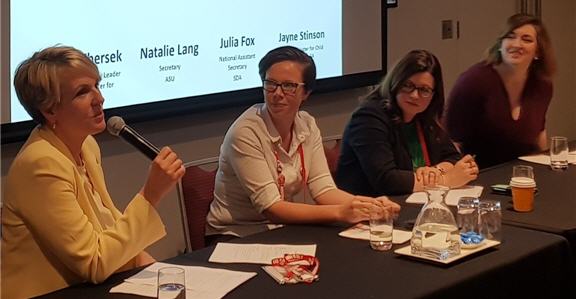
{"x":479,"y":116}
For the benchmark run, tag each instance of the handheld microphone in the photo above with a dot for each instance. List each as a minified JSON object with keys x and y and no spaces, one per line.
{"x":117,"y":127}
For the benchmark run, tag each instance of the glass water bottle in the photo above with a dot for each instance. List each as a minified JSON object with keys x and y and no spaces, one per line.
{"x":435,"y":234}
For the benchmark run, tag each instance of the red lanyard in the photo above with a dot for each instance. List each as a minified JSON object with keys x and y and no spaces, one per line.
{"x":279,"y":168}
{"x":423,"y":145}
{"x":299,"y":267}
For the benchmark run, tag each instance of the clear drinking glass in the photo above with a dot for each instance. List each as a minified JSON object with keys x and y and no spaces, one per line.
{"x":490,"y":219}
{"x":523,"y":171}
{"x":381,"y":227}
{"x":171,"y":283}
{"x":558,"y":153}
{"x":467,"y":214}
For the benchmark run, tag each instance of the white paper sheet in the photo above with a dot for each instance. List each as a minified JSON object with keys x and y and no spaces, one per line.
{"x":454,"y":194}
{"x":201,"y":282}
{"x":256,"y":253}
{"x":545,"y":159}
{"x":451,"y":198}
{"x":361,"y":231}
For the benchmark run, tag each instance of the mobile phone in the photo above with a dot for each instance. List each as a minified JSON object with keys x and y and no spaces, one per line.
{"x":501,"y":189}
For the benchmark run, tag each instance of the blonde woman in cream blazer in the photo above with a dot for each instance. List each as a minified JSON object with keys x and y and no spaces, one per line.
{"x":59,"y":224}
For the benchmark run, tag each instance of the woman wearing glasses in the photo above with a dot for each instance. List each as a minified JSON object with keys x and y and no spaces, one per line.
{"x":497,"y":108}
{"x":272,"y":167}
{"x":393,"y":143}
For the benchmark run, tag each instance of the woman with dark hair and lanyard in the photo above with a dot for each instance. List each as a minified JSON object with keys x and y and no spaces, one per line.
{"x":393,"y":143}
{"x":272,"y":169}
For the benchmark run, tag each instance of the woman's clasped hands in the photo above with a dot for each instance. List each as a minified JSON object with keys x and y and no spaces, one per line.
{"x":453,"y":176}
{"x":359,"y":208}
{"x":464,"y":171}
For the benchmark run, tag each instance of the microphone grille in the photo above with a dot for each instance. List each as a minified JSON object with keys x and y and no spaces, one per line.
{"x":115,"y":124}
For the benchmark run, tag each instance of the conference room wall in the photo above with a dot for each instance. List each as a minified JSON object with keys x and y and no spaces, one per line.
{"x":560,"y":18}
{"x":413,"y":24}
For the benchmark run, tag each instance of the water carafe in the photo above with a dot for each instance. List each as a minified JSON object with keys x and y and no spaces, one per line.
{"x":435,"y":233}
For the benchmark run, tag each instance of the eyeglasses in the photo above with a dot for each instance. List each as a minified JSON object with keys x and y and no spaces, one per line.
{"x":287,"y":87}
{"x":423,"y":91}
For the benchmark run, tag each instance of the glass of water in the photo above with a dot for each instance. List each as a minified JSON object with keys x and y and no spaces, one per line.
{"x":171,"y":283}
{"x":467,"y":216}
{"x":490,"y":219}
{"x":381,"y":227}
{"x":558,"y":152}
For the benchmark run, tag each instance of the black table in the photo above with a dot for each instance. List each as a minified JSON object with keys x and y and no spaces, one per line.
{"x":554,"y":204}
{"x":527,"y":264}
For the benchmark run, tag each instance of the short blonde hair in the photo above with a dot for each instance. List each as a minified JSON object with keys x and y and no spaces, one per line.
{"x":37,"y":79}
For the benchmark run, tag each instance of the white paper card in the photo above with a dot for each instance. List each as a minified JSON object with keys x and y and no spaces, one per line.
{"x":201,"y":282}
{"x":256,"y":253}
{"x":455,"y":194}
{"x":451,"y":198}
{"x":361,"y":231}
{"x":417,"y":197}
{"x":545,"y":159}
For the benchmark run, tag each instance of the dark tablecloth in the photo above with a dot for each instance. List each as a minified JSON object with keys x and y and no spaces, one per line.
{"x":554,"y":203}
{"x":528,"y":264}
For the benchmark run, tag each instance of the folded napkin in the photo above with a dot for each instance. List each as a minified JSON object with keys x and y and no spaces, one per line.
{"x":451,"y":198}
{"x":361,"y":231}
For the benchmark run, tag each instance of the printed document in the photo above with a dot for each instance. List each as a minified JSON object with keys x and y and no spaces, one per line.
{"x":256,"y":253}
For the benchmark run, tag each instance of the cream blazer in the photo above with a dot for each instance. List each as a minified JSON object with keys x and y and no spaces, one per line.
{"x":51,"y":235}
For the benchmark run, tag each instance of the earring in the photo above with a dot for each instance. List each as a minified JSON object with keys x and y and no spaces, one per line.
{"x":536,"y":58}
{"x":53,"y":126}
